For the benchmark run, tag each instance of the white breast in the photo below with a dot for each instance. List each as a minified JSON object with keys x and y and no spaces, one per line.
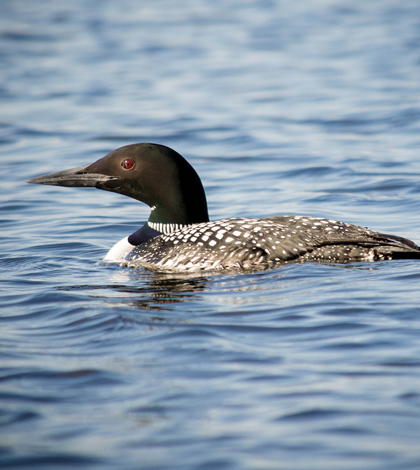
{"x":119,"y":251}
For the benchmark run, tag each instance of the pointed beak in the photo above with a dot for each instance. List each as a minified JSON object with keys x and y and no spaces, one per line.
{"x":74,"y":177}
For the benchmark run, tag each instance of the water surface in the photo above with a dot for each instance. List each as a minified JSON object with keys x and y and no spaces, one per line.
{"x":307,"y":108}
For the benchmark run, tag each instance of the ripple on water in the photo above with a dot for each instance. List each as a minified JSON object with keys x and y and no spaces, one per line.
{"x":283,"y":108}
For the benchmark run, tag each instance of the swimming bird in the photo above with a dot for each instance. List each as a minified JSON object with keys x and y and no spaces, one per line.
{"x":179,"y":236}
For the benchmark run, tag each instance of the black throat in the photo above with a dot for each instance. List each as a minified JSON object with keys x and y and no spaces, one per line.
{"x":143,"y":235}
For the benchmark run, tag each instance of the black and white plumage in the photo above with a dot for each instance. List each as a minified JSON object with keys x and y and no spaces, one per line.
{"x":179,"y":236}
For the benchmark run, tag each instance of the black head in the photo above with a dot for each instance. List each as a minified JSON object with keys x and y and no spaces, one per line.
{"x":151,"y":173}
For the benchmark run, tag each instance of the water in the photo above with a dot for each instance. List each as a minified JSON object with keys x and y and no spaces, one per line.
{"x":307,"y":108}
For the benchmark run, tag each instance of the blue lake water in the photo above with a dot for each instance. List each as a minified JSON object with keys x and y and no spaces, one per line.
{"x":309,"y":108}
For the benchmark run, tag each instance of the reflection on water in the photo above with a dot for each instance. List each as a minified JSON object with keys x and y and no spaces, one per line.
{"x":153,"y":294}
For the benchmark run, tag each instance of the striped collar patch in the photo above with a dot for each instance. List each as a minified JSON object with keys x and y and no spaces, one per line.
{"x":165,"y":228}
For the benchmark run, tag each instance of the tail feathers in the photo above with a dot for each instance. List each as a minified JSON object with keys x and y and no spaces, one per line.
{"x":401,"y":240}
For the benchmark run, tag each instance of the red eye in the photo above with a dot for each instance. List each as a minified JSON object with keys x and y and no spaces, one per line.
{"x":127,"y":164}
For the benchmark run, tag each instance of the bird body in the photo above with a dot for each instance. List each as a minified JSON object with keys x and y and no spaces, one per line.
{"x":180,"y":237}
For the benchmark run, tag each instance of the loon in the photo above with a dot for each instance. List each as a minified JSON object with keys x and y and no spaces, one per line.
{"x":179,"y":236}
